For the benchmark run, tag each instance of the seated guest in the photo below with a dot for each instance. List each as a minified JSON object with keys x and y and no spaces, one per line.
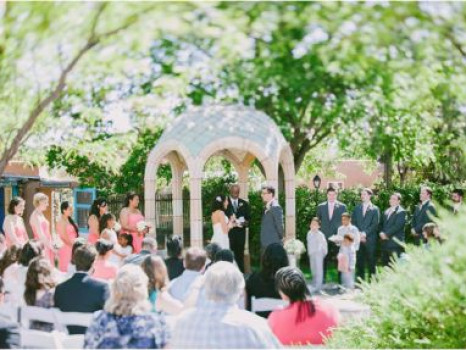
{"x":79,"y":242}
{"x":126,"y":321}
{"x":211,"y":250}
{"x":197,"y":291}
{"x":103,"y":268}
{"x":149,"y":247}
{"x":219,"y":323}
{"x":161,"y":300}
{"x":194,"y":262}
{"x":9,"y":330}
{"x":10,"y":256}
{"x":40,"y":287}
{"x":305,"y":320}
{"x":174,"y":262}
{"x":225,"y":255}
{"x":262,"y":284}
{"x":15,"y":275}
{"x":81,"y":293}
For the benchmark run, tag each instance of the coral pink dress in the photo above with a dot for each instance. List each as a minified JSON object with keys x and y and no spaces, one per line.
{"x":45,"y":226}
{"x":104,"y":270}
{"x":21,"y":234}
{"x":133,"y":219}
{"x":64,"y":254}
{"x":93,"y":236}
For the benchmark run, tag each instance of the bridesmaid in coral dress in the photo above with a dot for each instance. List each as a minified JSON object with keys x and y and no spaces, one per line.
{"x":68,"y":232}
{"x":130,"y":216}
{"x":13,"y":226}
{"x":99,"y":208}
{"x":41,"y":226}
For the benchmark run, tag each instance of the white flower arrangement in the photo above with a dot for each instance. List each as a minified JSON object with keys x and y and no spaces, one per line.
{"x":294,"y":247}
{"x":218,"y":199}
{"x":57,"y":243}
{"x":117,"y":227}
{"x":141,"y":226}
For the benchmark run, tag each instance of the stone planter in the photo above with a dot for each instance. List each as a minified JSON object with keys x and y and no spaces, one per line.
{"x":294,"y":260}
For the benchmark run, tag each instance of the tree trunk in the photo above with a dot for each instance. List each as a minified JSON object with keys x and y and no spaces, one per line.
{"x":44,"y":103}
{"x":388,"y":167}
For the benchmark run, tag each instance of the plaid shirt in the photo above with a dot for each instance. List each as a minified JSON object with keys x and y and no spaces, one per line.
{"x":221,"y":326}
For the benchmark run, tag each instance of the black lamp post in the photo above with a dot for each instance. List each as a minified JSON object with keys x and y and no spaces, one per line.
{"x":316,"y":181}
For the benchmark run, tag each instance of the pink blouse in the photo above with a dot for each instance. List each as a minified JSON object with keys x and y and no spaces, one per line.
{"x":311,"y":331}
{"x":104,"y":270}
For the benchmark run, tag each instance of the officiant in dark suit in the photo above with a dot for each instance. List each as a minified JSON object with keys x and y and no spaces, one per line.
{"x":393,"y":226}
{"x":366,"y":217}
{"x":329,"y":214}
{"x":240,"y":209}
{"x":423,"y":214}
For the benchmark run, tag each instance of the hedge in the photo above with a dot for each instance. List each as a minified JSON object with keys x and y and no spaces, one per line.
{"x":420,"y":303}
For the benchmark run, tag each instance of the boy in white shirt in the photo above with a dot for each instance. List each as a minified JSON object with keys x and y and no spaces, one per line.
{"x":317,"y":249}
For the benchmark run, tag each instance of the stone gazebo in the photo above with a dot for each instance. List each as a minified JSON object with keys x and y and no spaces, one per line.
{"x":239,"y":134}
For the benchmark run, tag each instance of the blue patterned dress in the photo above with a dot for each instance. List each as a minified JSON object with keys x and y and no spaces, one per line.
{"x":109,"y":331}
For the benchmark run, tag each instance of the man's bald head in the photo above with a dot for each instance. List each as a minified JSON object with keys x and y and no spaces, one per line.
{"x":234,"y":191}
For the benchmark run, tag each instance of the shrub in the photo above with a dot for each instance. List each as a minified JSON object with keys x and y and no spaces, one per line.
{"x":420,"y":303}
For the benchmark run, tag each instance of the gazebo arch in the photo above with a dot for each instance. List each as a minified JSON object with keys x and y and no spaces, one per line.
{"x":240,"y":134}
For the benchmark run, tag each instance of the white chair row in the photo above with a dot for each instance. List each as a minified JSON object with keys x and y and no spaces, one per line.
{"x":59,"y":338}
{"x":266,"y":304}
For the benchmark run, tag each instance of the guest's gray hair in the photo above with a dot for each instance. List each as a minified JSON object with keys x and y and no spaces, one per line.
{"x":128,"y":292}
{"x":149,"y":243}
{"x":224,"y":282}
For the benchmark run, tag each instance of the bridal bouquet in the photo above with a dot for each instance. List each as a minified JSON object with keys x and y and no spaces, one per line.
{"x":142,"y":225}
{"x":57,"y":243}
{"x":117,"y":227}
{"x":294,"y":247}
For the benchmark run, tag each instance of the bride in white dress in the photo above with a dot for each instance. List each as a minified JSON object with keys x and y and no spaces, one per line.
{"x":220,"y":222}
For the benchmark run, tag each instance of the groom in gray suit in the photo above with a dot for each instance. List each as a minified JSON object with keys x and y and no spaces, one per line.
{"x":272,"y":219}
{"x":329,"y":214}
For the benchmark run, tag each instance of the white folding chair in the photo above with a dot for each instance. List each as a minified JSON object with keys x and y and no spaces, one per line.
{"x":266,"y":304}
{"x":9,"y":311}
{"x":36,"y":313}
{"x":75,"y":341}
{"x":82,"y":319}
{"x":33,"y":339}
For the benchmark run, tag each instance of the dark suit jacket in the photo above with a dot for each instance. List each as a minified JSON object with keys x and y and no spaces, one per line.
{"x":330,"y":227}
{"x":243,"y":210}
{"x":422,"y":215}
{"x":272,"y":229}
{"x":175,"y":267}
{"x":9,"y":334}
{"x":368,"y":223}
{"x":394,"y":226}
{"x":80,"y":293}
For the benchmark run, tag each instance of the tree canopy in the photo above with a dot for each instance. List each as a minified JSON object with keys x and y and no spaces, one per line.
{"x":380,"y":81}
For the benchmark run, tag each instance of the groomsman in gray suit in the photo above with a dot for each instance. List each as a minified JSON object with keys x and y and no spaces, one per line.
{"x":272,"y":220}
{"x":423,"y":214}
{"x":366,"y":217}
{"x":329,"y":214}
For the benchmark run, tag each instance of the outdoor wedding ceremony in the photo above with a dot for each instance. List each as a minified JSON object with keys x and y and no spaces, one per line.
{"x":232,"y":174}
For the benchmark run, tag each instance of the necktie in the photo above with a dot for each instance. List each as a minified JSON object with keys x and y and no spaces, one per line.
{"x":364,"y":209}
{"x":235,"y":205}
{"x":330,"y":210}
